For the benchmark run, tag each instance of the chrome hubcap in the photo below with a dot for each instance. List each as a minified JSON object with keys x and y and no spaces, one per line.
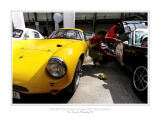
{"x":140,"y":78}
{"x":79,"y":74}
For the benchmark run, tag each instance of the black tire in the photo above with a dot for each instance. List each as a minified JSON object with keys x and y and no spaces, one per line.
{"x":75,"y":82}
{"x":140,"y":82}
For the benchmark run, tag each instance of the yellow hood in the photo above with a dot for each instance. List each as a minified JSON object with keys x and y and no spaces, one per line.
{"x":29,"y":56}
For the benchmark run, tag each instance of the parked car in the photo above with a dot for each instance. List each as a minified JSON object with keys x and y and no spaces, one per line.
{"x":48,"y":65}
{"x":133,"y":53}
{"x":25,"y":33}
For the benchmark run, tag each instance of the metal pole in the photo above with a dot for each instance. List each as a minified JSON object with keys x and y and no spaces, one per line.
{"x":35,"y":19}
{"x":47,"y":19}
{"x":53,"y":27}
{"x":94,"y":21}
{"x":35,"y":16}
{"x":29,"y":21}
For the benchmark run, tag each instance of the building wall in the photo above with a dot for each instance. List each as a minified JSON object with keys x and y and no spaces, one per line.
{"x":85,"y":27}
{"x":105,"y":27}
{"x":41,"y":16}
{"x":109,"y":17}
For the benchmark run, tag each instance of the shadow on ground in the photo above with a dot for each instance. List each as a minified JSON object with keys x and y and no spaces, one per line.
{"x":118,"y":81}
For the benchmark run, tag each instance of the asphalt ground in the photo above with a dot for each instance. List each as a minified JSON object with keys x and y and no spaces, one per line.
{"x":116,"y":89}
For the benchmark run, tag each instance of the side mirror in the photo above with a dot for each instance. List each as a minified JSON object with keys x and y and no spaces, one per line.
{"x":125,"y":42}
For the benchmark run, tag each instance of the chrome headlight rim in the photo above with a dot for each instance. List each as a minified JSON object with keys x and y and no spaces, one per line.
{"x":61,"y":62}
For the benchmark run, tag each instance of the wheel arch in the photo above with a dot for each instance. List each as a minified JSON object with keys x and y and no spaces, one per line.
{"x":82,"y":58}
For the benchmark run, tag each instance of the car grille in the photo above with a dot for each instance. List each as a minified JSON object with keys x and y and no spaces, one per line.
{"x":20,"y":88}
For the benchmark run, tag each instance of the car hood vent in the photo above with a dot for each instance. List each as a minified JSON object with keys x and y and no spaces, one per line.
{"x":58,"y":45}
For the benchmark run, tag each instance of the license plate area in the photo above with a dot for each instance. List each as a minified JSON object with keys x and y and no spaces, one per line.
{"x":16,"y":95}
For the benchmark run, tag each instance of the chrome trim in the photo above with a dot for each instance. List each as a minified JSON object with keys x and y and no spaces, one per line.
{"x":61,"y":62}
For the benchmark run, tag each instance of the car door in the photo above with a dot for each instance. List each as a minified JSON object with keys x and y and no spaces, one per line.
{"x":137,"y":53}
{"x":127,"y":39}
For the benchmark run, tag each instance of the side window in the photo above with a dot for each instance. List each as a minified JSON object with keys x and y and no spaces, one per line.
{"x":35,"y":34}
{"x":129,"y":38}
{"x":17,"y":33}
{"x":137,"y":38}
{"x":141,"y":38}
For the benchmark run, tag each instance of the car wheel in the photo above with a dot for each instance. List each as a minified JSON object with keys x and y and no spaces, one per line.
{"x":140,"y":81}
{"x":75,"y":82}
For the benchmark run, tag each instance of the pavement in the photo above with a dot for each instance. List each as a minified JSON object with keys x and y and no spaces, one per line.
{"x":116,"y":89}
{"x":90,"y":89}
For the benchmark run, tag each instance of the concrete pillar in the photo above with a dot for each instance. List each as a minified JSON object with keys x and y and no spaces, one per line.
{"x":69,"y":19}
{"x":18,"y":20}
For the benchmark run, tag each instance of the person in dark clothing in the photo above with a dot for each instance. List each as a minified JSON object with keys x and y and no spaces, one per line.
{"x":113,"y":31}
{"x":45,"y":31}
{"x":96,"y":50}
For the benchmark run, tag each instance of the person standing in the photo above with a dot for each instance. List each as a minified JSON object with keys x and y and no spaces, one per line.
{"x":113,"y":31}
{"x":45,"y":31}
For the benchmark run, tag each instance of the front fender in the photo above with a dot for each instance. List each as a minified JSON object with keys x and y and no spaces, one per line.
{"x":71,"y":54}
{"x":40,"y":81}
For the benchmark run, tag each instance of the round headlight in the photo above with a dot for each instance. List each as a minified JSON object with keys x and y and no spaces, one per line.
{"x":56,"y":67}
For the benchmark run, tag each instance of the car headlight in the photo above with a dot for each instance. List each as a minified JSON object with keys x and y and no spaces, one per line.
{"x":56,"y":67}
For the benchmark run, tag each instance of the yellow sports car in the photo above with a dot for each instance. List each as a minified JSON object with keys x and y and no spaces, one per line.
{"x":48,"y":65}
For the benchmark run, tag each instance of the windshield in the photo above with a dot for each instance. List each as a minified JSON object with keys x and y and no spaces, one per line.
{"x":17,"y":33}
{"x":67,"y":34}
